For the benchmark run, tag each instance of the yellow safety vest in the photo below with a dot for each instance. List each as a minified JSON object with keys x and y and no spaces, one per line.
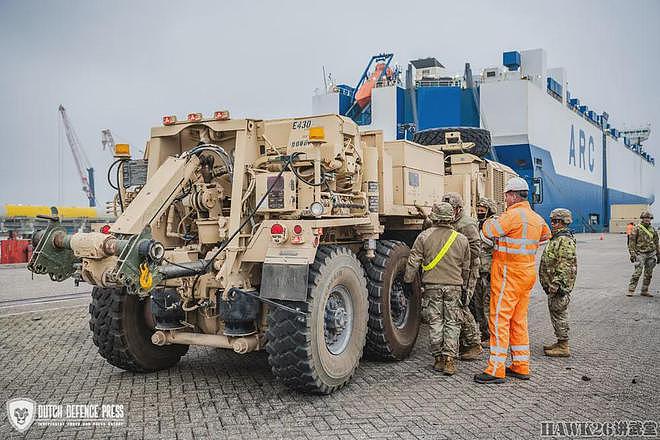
{"x":649,"y":233}
{"x":442,"y":252}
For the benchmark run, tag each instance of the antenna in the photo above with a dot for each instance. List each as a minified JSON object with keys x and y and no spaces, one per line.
{"x":325,"y":81}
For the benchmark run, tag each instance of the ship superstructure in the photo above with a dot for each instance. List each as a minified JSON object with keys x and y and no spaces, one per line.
{"x":571,"y":154}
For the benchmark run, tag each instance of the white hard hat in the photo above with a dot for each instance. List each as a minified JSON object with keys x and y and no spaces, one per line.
{"x":516,"y":184}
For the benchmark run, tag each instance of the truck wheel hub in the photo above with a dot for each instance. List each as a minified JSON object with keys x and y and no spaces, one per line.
{"x":338,"y":320}
{"x":399,"y":302}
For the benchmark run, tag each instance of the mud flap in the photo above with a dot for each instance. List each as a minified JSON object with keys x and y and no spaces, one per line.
{"x":284,"y":281}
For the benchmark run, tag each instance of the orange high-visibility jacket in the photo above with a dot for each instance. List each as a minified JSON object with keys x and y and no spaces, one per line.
{"x":517,"y":232}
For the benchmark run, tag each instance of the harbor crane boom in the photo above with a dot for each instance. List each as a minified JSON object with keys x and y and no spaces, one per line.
{"x":85,"y":170}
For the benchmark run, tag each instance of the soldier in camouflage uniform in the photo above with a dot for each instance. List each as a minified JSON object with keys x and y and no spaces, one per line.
{"x":444,"y":256}
{"x":557,"y":274}
{"x":644,"y":252}
{"x":486,"y":208}
{"x":470,"y":340}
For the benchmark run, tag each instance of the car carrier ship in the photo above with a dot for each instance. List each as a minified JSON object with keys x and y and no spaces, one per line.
{"x":571,"y":155}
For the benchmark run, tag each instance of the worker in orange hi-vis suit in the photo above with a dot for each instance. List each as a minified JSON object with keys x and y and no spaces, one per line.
{"x":517,"y":233}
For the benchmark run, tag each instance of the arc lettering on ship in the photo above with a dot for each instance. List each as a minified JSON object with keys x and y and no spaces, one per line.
{"x":586,"y":151}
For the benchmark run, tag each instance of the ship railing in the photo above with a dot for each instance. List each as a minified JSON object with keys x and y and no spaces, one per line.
{"x":440,"y":82}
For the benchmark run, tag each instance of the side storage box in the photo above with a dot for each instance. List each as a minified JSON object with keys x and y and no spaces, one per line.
{"x":417,"y":173}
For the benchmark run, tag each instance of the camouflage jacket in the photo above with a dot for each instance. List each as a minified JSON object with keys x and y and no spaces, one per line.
{"x":559,"y":262}
{"x":643,"y":239}
{"x":467,"y":226}
{"x":486,"y":255}
{"x":454,"y":267}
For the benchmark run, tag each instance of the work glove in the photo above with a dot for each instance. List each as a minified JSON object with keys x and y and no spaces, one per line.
{"x":420,"y":211}
{"x":633,"y":258}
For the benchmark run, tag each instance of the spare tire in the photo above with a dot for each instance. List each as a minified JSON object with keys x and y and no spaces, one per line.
{"x":436,"y":136}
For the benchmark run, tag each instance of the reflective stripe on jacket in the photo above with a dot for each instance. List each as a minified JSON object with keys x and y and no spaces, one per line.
{"x":517,"y":232}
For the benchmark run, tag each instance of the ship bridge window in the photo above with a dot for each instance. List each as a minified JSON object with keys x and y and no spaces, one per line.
{"x":538,"y":161}
{"x":522,"y":163}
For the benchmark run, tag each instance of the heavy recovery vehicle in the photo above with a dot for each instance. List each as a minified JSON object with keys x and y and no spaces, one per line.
{"x":289,"y":235}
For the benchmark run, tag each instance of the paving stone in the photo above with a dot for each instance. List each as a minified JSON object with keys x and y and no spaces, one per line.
{"x":218,"y":394}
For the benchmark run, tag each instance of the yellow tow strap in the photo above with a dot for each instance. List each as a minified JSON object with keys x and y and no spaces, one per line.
{"x":442,"y":252}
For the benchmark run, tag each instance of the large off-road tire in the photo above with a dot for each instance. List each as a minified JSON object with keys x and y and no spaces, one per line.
{"x":122,"y":334}
{"x":436,"y":136}
{"x":319,"y":352}
{"x":394,"y":308}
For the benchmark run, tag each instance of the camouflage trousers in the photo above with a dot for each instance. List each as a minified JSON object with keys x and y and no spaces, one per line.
{"x":480,"y":305}
{"x":646,"y":261}
{"x":441,"y":307}
{"x":469,"y":329}
{"x":558,"y":306}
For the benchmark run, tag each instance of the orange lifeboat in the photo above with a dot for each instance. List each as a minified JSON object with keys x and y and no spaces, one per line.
{"x":363,"y":95}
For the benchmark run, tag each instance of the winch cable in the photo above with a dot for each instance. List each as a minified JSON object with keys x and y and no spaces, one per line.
{"x":299,"y":177}
{"x":117,"y":188}
{"x":226,"y":158}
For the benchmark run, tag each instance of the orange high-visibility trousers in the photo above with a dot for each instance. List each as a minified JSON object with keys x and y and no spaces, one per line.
{"x":518,"y":232}
{"x":509,"y":299}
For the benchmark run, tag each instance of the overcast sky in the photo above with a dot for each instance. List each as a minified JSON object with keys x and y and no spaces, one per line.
{"x":123,"y":64}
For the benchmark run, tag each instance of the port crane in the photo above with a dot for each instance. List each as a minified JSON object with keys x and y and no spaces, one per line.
{"x":84,"y":167}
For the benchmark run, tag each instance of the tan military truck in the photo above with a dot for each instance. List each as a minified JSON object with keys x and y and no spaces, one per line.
{"x":288,"y":235}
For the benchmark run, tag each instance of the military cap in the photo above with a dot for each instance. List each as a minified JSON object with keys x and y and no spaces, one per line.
{"x":487,"y":203}
{"x":442,"y":213}
{"x":454,"y":199}
{"x":562,"y":214}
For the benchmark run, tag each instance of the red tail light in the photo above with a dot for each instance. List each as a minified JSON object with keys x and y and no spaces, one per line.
{"x":105,"y":229}
{"x":169,"y":120}
{"x":194,"y":117}
{"x":297,"y":229}
{"x":277,"y":229}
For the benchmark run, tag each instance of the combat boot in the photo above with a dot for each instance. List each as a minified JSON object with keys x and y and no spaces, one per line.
{"x":645,"y":293}
{"x":561,"y":350}
{"x":472,"y":353}
{"x":450,"y":366}
{"x":550,"y":347}
{"x":439,"y":363}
